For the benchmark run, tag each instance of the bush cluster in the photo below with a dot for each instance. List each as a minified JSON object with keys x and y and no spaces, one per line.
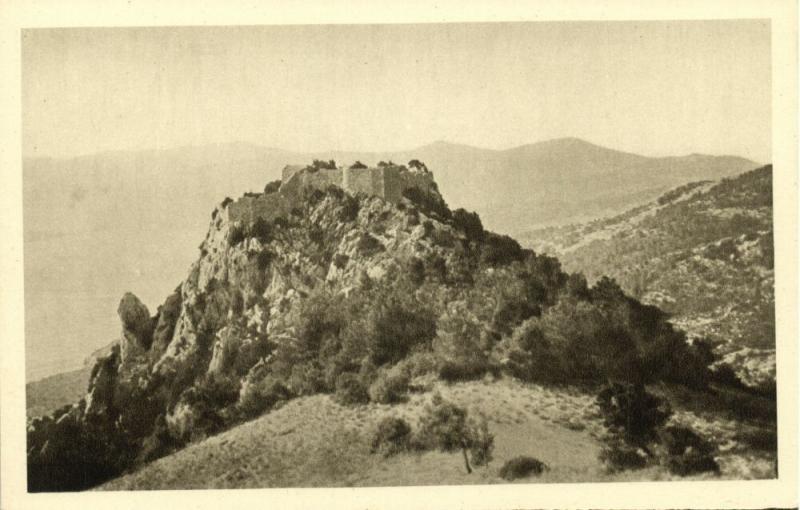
{"x":260,"y":229}
{"x":444,"y":426}
{"x":521,"y":467}
{"x":638,"y":436}
{"x":272,"y":187}
{"x":392,"y":436}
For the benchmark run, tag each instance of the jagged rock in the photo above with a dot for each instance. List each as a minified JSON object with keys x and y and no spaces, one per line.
{"x":243,"y":295}
{"x":136,"y":327}
{"x":225,"y":345}
{"x":102,"y":382}
{"x":165,"y":325}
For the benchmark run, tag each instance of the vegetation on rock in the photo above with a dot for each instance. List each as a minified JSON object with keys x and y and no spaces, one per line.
{"x":314,"y":302}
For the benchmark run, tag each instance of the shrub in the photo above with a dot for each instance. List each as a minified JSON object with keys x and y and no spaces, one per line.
{"x":335,"y":191}
{"x":350,"y":208}
{"x":226,"y":201}
{"x":307,"y":379}
{"x":436,"y":267}
{"x":417,"y":165}
{"x":318,"y":164}
{"x":236,"y":235}
{"x":619,"y":456}
{"x":312,"y":196}
{"x":368,"y":245}
{"x":263,"y":259}
{"x":633,"y":414}
{"x":280,"y":222}
{"x":429,"y":203}
{"x":392,"y":436}
{"x":415,"y":269}
{"x":340,"y":260}
{"x":412,"y":217}
{"x":350,"y":390}
{"x":762,"y":439}
{"x":686,"y":453}
{"x":521,"y":467}
{"x":394,"y":328}
{"x":316,"y":235}
{"x":469,"y":223}
{"x":357,"y":165}
{"x":261,"y":230}
{"x":417,"y":364}
{"x":499,"y":250}
{"x":237,"y":303}
{"x":533,"y":357}
{"x":389,"y":388}
{"x":458,"y":344}
{"x":209,"y":398}
{"x":466,"y":370}
{"x":259,"y":396}
{"x":272,"y":187}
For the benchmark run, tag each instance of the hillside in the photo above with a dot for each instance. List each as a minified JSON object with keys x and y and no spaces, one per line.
{"x":305,"y":290}
{"x":46,"y":395}
{"x":702,"y":252}
{"x":315,"y":442}
{"x":130,"y":199}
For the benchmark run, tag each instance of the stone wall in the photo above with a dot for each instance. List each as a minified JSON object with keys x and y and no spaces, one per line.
{"x":385,"y":182}
{"x":396,"y":181}
{"x":295,"y":180}
{"x":363,"y":180}
{"x":248,"y":208}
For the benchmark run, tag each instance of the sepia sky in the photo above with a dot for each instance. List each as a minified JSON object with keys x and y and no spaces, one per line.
{"x":654,"y":88}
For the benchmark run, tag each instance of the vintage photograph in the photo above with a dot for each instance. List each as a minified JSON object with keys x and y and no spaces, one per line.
{"x":395,"y":255}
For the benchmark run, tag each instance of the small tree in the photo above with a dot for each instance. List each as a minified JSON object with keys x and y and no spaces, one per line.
{"x":417,"y":165}
{"x":272,"y":187}
{"x":469,"y":223}
{"x":358,"y":165}
{"x":447,"y":427}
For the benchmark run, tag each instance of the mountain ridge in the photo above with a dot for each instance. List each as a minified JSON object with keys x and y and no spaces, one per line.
{"x":703,"y":252}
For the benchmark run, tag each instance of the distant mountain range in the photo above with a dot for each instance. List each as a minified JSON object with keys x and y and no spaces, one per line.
{"x":99,"y":225}
{"x":550,"y":182}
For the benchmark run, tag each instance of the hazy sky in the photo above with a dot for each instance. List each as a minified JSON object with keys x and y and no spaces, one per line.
{"x":656,"y":88}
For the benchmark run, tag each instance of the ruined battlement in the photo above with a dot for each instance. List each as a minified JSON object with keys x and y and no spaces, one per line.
{"x":388,"y":182}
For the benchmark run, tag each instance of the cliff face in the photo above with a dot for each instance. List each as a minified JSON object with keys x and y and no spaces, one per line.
{"x":238,"y":301}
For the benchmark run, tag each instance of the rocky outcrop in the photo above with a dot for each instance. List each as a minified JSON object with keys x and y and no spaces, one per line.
{"x":137,"y":327}
{"x":211,"y":339}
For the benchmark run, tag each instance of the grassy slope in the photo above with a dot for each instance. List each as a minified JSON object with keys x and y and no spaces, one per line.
{"x":48,"y":394}
{"x":312,"y":442}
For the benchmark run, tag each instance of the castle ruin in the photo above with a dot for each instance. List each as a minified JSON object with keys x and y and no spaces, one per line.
{"x":387,"y":182}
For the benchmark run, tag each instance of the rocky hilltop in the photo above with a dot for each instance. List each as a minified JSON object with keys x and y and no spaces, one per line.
{"x":319,"y":290}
